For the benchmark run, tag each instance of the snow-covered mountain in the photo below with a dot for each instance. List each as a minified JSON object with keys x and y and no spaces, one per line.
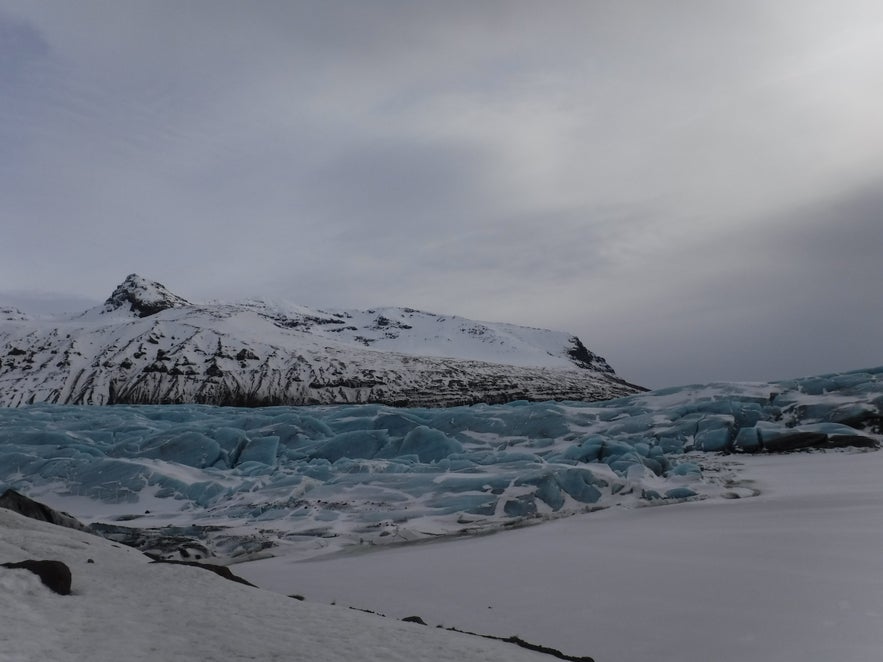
{"x":148,"y":345}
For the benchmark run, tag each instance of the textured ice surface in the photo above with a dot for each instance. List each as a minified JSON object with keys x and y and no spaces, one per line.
{"x":327,"y":477}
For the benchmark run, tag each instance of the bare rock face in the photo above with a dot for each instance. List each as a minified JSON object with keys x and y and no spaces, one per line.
{"x":147,"y":345}
{"x":142,"y":297}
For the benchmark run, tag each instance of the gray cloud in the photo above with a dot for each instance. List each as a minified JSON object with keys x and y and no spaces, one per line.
{"x":666,"y":179}
{"x":795,"y":294}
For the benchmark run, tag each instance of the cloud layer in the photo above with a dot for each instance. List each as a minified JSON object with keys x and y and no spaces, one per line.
{"x":690,"y":187}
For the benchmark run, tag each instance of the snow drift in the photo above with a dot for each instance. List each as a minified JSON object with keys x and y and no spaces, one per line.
{"x":123,"y":607}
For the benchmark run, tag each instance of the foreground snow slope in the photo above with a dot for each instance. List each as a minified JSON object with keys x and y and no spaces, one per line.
{"x":124,"y":608}
{"x":792,"y":575}
{"x":146,"y":345}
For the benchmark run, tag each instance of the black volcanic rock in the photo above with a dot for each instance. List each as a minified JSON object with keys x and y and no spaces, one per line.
{"x":143,"y":297}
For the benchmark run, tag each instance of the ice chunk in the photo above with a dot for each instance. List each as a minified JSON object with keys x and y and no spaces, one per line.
{"x":747,"y":440}
{"x":192,"y":448}
{"x":581,"y":484}
{"x":680,"y":493}
{"x":353,"y":444}
{"x":713,"y":439}
{"x":262,"y":449}
{"x":429,"y":445}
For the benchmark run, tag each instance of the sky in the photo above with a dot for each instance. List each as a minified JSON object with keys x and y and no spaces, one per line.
{"x":694,"y":188}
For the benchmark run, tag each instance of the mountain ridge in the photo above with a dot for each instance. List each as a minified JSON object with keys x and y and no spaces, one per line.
{"x":147,"y":345}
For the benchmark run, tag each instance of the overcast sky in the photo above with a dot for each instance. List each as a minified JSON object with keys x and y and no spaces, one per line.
{"x":695,"y":188}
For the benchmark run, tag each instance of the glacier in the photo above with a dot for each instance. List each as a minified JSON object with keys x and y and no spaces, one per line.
{"x":318,"y":479}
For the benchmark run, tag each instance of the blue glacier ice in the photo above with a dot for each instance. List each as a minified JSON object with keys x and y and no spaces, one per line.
{"x":371,"y":472}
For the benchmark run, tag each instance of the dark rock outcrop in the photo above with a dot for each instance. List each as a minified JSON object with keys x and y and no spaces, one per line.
{"x":55,"y":575}
{"x":143,"y":297}
{"x":220,"y":570}
{"x":23,"y":505}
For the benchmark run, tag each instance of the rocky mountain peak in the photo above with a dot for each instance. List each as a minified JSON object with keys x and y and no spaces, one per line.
{"x":143,"y":297}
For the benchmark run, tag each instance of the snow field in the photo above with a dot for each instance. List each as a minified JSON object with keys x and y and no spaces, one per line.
{"x":792,"y":575}
{"x":124,"y":608}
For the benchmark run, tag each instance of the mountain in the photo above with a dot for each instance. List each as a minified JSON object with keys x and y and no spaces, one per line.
{"x":147,"y":345}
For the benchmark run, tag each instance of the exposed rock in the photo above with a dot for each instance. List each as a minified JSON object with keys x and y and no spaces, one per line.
{"x":21,"y":504}
{"x":55,"y":575}
{"x":142,"y":297}
{"x":220,"y":570}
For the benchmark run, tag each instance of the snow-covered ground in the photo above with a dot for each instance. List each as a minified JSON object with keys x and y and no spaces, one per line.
{"x":122,"y":607}
{"x":792,"y":575}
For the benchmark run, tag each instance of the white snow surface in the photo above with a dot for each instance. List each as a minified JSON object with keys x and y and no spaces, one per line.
{"x":122,"y":607}
{"x":792,"y":575}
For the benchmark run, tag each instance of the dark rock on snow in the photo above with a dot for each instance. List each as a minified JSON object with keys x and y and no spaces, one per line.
{"x":54,"y":574}
{"x":19,"y":503}
{"x":220,"y":570}
{"x":142,"y":297}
